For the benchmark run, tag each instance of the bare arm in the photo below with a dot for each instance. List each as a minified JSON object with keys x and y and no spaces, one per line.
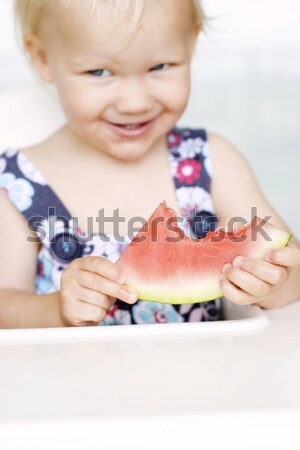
{"x":22,"y":310}
{"x":89,"y":285}
{"x":234,"y":193}
{"x":20,"y":307}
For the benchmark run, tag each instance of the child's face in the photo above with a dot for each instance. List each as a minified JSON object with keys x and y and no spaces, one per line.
{"x":146,"y":80}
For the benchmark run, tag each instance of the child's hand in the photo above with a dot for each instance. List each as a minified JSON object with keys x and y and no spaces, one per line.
{"x":247,"y":281}
{"x":89,"y":287}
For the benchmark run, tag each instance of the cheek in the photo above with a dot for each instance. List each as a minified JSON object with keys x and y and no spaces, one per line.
{"x":176,"y":93}
{"x":79,"y":102}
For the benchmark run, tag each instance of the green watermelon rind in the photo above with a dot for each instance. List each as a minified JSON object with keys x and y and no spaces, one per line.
{"x":178,"y":300}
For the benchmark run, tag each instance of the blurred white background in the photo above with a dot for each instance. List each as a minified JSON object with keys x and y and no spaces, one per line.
{"x":245,"y":86}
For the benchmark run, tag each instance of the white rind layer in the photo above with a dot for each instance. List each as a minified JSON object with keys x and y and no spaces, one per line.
{"x":194,"y":291}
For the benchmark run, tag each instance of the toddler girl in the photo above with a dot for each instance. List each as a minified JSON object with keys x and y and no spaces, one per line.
{"x":122,"y":72}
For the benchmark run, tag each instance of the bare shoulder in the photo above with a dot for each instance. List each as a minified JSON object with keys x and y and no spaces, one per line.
{"x":18,"y":255}
{"x":226,"y":155}
{"x":232,"y":175}
{"x":42,"y":148}
{"x":234,"y":189}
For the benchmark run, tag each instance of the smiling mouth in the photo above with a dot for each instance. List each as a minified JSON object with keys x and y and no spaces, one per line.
{"x":132,"y":130}
{"x":132,"y":126}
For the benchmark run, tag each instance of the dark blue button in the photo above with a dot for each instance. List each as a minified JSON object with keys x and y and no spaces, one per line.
{"x":202,"y":223}
{"x":66,"y":248}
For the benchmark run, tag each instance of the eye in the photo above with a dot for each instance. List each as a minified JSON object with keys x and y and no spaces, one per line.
{"x":159,"y":67}
{"x":99,"y":72}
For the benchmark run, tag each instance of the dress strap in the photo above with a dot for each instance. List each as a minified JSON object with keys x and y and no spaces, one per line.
{"x":191,"y":168}
{"x":28,"y":190}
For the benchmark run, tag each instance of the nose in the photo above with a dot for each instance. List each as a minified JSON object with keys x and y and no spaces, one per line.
{"x":133,"y":97}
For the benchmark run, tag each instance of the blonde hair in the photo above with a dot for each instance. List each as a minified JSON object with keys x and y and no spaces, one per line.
{"x":29,"y":14}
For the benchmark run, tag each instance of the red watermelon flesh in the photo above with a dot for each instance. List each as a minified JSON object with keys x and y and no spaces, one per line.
{"x":163,"y":265}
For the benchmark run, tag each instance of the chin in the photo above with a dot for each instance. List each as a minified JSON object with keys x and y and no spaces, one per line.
{"x":127,"y":153}
{"x":127,"y":156}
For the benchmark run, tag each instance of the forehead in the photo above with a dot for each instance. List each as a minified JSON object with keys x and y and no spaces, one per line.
{"x":163,"y":22}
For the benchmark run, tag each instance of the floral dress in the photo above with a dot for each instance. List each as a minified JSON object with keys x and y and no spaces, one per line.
{"x":62,"y":241}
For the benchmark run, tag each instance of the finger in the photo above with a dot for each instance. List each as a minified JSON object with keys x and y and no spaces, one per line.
{"x":97,"y":283}
{"x":270,"y":273}
{"x":94,"y":298}
{"x":247,"y":282}
{"x":86,"y":313}
{"x":91,"y":324}
{"x":101,"y":266}
{"x":288,"y":256}
{"x":235,"y":294}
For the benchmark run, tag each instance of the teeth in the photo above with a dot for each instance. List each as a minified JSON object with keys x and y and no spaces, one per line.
{"x":132,"y":127}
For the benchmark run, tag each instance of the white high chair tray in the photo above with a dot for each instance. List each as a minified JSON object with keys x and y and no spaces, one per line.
{"x":238,"y":320}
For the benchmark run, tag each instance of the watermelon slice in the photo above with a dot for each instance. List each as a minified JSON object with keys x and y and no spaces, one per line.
{"x":163,"y":265}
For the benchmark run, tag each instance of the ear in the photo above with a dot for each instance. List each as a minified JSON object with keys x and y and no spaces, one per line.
{"x":193,"y":38}
{"x":196,"y":32}
{"x":39,"y":57}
